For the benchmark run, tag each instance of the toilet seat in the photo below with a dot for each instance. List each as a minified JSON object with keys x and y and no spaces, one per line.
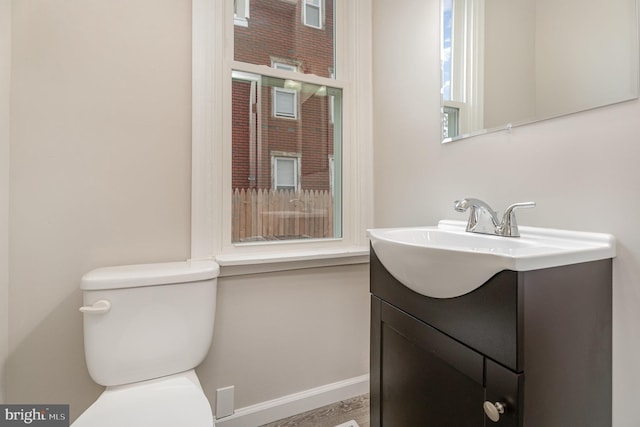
{"x":175,"y":400}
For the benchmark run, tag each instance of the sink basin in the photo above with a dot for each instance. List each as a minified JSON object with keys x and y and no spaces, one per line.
{"x":445,"y":261}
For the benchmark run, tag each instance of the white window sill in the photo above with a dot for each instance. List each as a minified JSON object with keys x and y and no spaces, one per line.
{"x":242,"y":22}
{"x":236,"y":265}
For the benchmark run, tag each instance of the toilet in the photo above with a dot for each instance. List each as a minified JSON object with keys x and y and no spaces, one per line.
{"x":146,"y":327}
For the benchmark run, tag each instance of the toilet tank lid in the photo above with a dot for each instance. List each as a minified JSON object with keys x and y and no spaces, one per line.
{"x":130,"y":276}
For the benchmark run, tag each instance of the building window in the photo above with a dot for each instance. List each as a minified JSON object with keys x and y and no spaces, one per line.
{"x":285,"y":103}
{"x":312,"y":13}
{"x":285,"y":172}
{"x":280,"y":65}
{"x":241,"y":12}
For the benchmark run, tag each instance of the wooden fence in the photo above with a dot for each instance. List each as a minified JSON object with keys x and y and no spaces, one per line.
{"x":281,"y":214}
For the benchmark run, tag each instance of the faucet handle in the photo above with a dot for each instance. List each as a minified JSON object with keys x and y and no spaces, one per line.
{"x":511,"y":208}
{"x":509,"y":225}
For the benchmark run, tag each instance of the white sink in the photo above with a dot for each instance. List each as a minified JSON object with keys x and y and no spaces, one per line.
{"x":445,"y":261}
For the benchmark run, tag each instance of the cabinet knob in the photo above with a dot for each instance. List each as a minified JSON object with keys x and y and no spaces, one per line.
{"x":493,"y":410}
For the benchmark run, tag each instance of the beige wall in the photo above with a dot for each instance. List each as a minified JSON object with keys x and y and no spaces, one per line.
{"x":283,"y":333}
{"x":100,"y":169}
{"x":100,"y":175}
{"x":582,"y":170}
{"x":5,"y":78}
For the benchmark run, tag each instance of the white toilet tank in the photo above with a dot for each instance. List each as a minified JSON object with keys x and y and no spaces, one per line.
{"x":147,"y":321}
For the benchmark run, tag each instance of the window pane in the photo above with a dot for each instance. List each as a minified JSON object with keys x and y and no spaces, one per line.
{"x":276,"y":31}
{"x":447,"y":36}
{"x":286,"y":174}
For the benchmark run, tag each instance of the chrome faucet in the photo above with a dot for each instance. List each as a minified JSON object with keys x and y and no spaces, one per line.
{"x":483,"y":219}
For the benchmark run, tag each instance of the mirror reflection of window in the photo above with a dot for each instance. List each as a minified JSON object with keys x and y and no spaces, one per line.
{"x":447,"y":28}
{"x":462,"y":53}
{"x":450,"y":128}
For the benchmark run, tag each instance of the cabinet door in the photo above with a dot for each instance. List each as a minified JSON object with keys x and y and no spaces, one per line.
{"x":424,"y":378}
{"x":506,"y":388}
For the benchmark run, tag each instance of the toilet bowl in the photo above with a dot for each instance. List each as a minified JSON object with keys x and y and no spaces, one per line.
{"x":146,"y":327}
{"x":175,"y":400}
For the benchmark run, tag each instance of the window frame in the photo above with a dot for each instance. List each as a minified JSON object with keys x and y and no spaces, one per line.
{"x":213,"y":65}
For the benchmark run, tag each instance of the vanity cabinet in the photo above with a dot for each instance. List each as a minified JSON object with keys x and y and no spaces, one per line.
{"x":536,"y":342}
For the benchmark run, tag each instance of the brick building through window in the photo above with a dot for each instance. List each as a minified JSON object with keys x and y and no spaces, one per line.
{"x":274,"y":119}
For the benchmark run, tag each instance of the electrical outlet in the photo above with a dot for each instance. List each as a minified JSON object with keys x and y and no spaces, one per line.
{"x":224,"y":401}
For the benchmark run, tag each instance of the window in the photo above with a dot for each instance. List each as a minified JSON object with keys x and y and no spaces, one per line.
{"x":447,"y":41}
{"x":285,"y":103}
{"x":274,"y":156}
{"x":286,"y":111}
{"x":313,"y":13}
{"x":241,"y":12}
{"x":462,"y":65}
{"x":450,"y":128}
{"x":284,"y":66}
{"x":253,"y":164}
{"x":285,"y":172}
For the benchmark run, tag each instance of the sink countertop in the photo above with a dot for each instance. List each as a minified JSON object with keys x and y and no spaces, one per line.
{"x":445,"y":261}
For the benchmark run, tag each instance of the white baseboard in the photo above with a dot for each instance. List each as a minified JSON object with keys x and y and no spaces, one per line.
{"x":287,"y":406}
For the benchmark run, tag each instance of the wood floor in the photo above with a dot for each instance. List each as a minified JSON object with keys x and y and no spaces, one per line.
{"x":356,"y":409}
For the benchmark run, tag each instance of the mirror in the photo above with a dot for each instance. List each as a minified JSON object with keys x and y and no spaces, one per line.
{"x":512,"y":62}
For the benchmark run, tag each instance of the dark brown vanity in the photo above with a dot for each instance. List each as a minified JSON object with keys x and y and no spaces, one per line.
{"x":535,"y":345}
